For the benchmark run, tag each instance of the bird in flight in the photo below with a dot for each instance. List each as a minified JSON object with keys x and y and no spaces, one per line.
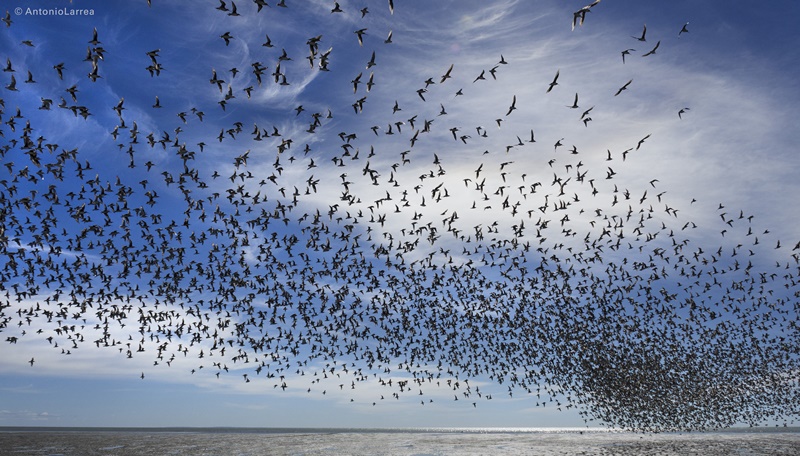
{"x":513,"y":105}
{"x":446,"y":75}
{"x":626,"y":52}
{"x":579,"y":16}
{"x":574,"y":103}
{"x":12,"y":86}
{"x":624,"y":87}
{"x":644,"y":33}
{"x":653,"y":51}
{"x":360,"y":33}
{"x":554,"y":83}
{"x":227,"y":37}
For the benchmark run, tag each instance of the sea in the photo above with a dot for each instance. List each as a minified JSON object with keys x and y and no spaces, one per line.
{"x":417,"y":441}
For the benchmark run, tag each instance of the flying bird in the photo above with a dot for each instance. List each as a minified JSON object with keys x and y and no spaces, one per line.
{"x":513,"y":105}
{"x":641,"y":141}
{"x":227,"y":37}
{"x":574,"y":103}
{"x":554,"y":83}
{"x":653,"y":51}
{"x":59,"y":69}
{"x":579,"y":16}
{"x":446,"y":75}
{"x":12,"y":86}
{"x":624,"y":87}
{"x":94,"y":41}
{"x":626,"y":52}
{"x":644,"y":33}
{"x":360,"y":33}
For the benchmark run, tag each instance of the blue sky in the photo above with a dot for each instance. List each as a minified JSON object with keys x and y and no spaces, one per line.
{"x":732,"y":150}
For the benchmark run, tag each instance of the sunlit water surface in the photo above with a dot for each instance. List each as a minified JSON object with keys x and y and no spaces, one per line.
{"x":428,"y":441}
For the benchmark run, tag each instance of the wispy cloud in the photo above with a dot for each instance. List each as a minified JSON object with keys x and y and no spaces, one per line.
{"x":17,"y":417}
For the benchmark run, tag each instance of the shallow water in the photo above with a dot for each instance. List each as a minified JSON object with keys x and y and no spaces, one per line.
{"x":110,"y":442}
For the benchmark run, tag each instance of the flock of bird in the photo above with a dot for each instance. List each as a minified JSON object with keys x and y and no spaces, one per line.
{"x":409,"y":256}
